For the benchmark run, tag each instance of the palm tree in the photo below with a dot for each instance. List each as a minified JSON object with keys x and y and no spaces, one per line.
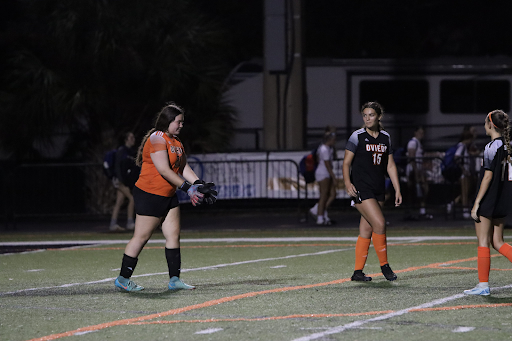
{"x":89,"y":70}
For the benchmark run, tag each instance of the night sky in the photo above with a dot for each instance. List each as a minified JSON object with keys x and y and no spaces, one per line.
{"x":379,"y":29}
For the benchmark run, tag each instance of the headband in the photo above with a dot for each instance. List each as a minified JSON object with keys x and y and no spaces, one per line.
{"x":490,"y":119}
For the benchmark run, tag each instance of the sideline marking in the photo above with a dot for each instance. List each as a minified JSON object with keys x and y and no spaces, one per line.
{"x":269,"y":291}
{"x":355,"y":324}
{"x":209,"y":331}
{"x":237,"y":240}
{"x":259,"y":245}
{"x":212,"y":267}
{"x":463,"y":329}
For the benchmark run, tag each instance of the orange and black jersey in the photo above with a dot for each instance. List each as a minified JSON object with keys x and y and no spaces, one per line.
{"x":496,"y":200}
{"x":150,"y":180}
{"x":369,"y":166}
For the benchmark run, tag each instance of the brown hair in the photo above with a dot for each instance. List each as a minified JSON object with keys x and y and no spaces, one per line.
{"x":501,"y":124}
{"x":163,"y":119}
{"x":378,"y":109}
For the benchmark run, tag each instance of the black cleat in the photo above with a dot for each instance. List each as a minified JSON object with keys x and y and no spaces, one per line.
{"x":359,"y":276}
{"x":388,"y":273}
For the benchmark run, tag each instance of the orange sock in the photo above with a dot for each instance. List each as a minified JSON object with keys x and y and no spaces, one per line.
{"x":506,"y":250}
{"x":362,"y":246}
{"x":484,"y":263}
{"x":380,"y":245}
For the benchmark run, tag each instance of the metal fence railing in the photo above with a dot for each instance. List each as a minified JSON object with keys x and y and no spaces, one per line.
{"x":81,"y":189}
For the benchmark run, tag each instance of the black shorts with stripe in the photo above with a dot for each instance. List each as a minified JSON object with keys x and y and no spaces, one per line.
{"x":152,"y":204}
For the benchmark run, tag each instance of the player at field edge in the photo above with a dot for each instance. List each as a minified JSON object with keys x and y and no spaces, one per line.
{"x":164,"y":169}
{"x":493,"y":198}
{"x":368,"y":157}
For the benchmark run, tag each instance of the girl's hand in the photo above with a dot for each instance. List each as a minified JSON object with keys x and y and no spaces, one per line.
{"x":474,"y":213}
{"x":351,"y":190}
{"x":398,"y":199}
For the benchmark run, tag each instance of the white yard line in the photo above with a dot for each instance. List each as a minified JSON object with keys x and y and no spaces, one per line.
{"x":356,"y":324}
{"x":237,"y":240}
{"x":212,"y":267}
{"x":86,"y":243}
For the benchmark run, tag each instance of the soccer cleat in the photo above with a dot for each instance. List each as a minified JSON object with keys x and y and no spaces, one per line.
{"x":478,"y":291}
{"x":388,"y":273}
{"x":176,"y":284}
{"x":359,"y":276}
{"x":127,"y":284}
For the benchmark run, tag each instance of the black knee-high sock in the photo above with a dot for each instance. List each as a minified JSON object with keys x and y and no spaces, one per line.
{"x":173,"y":257}
{"x":128,"y":265}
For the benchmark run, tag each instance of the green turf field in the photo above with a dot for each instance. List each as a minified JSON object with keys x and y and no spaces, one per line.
{"x":255,"y":285}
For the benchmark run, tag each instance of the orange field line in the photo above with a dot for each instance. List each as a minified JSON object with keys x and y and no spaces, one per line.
{"x":269,"y":318}
{"x":273,"y":318}
{"x":467,"y":268}
{"x":257,"y":245}
{"x":224,"y":300}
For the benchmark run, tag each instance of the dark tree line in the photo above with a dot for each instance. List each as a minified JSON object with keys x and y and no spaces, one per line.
{"x":79,"y":73}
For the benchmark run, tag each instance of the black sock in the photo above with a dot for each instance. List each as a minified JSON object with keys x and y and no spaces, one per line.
{"x":173,"y":257}
{"x":128,"y":265}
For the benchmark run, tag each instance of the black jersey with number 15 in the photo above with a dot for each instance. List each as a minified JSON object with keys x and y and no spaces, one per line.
{"x":369,"y":167}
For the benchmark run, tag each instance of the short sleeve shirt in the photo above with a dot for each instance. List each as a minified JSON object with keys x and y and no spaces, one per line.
{"x":324,"y":153}
{"x":150,"y":179}
{"x":369,"y":166}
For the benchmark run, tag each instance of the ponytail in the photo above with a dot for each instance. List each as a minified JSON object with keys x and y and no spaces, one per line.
{"x":138,"y":159}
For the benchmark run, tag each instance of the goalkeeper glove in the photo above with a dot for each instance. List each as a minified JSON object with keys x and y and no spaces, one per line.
{"x":207,"y":188}
{"x":196,"y":197}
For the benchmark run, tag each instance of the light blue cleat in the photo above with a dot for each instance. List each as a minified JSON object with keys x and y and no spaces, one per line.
{"x":127,"y":285}
{"x":177,"y":284}
{"x":478,"y":291}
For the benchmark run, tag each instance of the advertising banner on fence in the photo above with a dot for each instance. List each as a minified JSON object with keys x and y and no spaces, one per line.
{"x":272,"y":175}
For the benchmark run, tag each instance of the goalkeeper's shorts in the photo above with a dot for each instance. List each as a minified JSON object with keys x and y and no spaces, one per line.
{"x":152,"y":204}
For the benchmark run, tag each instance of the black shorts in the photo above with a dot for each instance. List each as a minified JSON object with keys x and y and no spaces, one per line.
{"x":152,"y":204}
{"x":371,"y":195}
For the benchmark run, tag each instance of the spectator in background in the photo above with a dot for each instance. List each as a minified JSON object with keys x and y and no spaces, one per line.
{"x":126,"y":173}
{"x":416,"y":179}
{"x":324,"y":176}
{"x":462,"y":158}
{"x":474,"y":151}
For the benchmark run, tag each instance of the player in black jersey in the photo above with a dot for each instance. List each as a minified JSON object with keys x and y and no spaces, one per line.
{"x":368,"y":157}
{"x":493,"y":198}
